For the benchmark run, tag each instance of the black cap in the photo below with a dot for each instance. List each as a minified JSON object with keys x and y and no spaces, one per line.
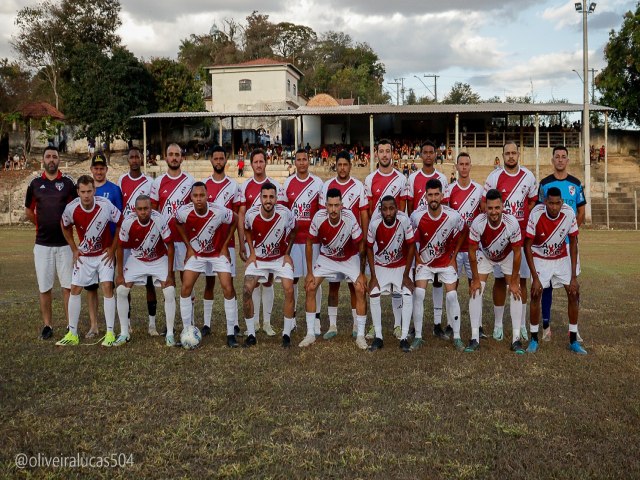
{"x":99,"y":159}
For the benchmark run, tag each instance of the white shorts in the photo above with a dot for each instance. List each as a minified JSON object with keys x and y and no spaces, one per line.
{"x":208,"y":264}
{"x":136,"y":271}
{"x":553,"y":273}
{"x":445,"y":274}
{"x":524,"y":268}
{"x":486,"y":266}
{"x":390,"y":281}
{"x":179,"y":256}
{"x":266,"y":267}
{"x":299,"y":257}
{"x":52,"y":260}
{"x":326,"y":268}
{"x":462,"y":260}
{"x":210,"y":272}
{"x":92,"y":270}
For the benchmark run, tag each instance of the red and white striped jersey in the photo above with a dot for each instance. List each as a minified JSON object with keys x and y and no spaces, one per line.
{"x":417,"y":188}
{"x":550,"y":234}
{"x":225,"y":192}
{"x":92,"y":225}
{"x":467,"y":202}
{"x":250,"y":192}
{"x":171,"y":193}
{"x":337,"y":242}
{"x":269,"y":235}
{"x":516,"y":189}
{"x":390,"y":243}
{"x":354,"y":197}
{"x":302,"y":198}
{"x":201,"y":229}
{"x":495,"y":242}
{"x":147,"y":242}
{"x":378,"y":185}
{"x":131,"y":188}
{"x":437,"y":236}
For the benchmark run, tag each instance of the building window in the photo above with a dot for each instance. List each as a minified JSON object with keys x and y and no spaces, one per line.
{"x":288,"y":85}
{"x":294,"y":89}
{"x":245,"y":85}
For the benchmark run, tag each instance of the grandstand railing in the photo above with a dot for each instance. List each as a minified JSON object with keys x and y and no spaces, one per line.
{"x":526,"y":139}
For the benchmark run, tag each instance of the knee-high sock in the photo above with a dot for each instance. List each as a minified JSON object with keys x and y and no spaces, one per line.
{"x":516,"y":309}
{"x":75,"y":303}
{"x":333,"y":316}
{"x":267,"y":304}
{"x":207,"y":306}
{"x":407,"y":311}
{"x":396,"y":306}
{"x":288,"y":326}
{"x":122,"y":302}
{"x":185,"y":311}
{"x":418,"y":310}
{"x":362,"y":322}
{"x":436,"y":294}
{"x":170,"y":307}
{"x":311,"y":321}
{"x":231,"y":313}
{"x":523,"y":318}
{"x":498,"y":313}
{"x":475,"y":312}
{"x":453,"y":313}
{"x":376,"y":315}
{"x":257,"y":298}
{"x":109,"y":312}
{"x":547,"y":300}
{"x":318,"y":299}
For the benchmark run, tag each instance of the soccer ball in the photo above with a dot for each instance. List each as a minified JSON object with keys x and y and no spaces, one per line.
{"x":190,"y":337}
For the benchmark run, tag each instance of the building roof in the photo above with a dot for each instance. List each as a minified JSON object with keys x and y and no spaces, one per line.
{"x":322,"y":100}
{"x":40,"y":110}
{"x":258,"y":62}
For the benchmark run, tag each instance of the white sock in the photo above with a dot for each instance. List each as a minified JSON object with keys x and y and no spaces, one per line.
{"x":288,"y":326}
{"x":407,"y":311}
{"x":333,"y":316}
{"x":318,"y":298}
{"x":376,"y":315}
{"x":251,"y":326}
{"x":267,"y":304}
{"x":311,"y":322}
{"x":453,"y":313}
{"x":257,"y":298}
{"x":418,"y":310}
{"x":208,"y":311}
{"x":109,"y":312}
{"x":122,"y":303}
{"x":436,"y":294}
{"x":523,"y":318}
{"x":152,"y":321}
{"x":396,"y":307}
{"x":231,"y":314}
{"x":515,"y":308}
{"x":498,"y":313}
{"x":475,"y":312}
{"x":185,"y":311}
{"x":75,"y":304}
{"x":170,"y":307}
{"x":362,"y":322}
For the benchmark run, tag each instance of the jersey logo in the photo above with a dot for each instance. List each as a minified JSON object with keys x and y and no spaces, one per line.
{"x":60,"y":186}
{"x":572,"y":190}
{"x":42,"y":186}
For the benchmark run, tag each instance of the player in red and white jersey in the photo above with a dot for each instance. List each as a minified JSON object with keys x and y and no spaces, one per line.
{"x":519,"y":191}
{"x":552,"y":264}
{"x":169,"y":192}
{"x":495,"y":241}
{"x":269,"y":229}
{"x":93,"y":257}
{"x":341,"y":251}
{"x":416,"y":186}
{"x":250,"y":196}
{"x":440,"y":232}
{"x":145,"y":235}
{"x":198,"y":224}
{"x":301,"y":192}
{"x":224,"y":191}
{"x":390,"y":251}
{"x":354,"y":198}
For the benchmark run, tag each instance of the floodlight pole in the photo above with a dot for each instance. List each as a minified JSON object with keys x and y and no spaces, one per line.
{"x":585,"y":113}
{"x":144,"y":144}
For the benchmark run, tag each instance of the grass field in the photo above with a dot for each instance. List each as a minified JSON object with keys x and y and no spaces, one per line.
{"x":330,"y":411}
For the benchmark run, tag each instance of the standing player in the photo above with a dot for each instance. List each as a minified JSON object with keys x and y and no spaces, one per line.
{"x":440,"y":233}
{"x":93,"y":257}
{"x":269,"y":229}
{"x":341,"y":251}
{"x":199,"y":225}
{"x":250,"y":196}
{"x":223,"y":191}
{"x":416,"y":199}
{"x":519,"y":191}
{"x":386,"y":180}
{"x":301,"y":196}
{"x":354,"y":198}
{"x":572,"y":195}
{"x":552,"y":264}
{"x":47,"y":196}
{"x":495,"y":241}
{"x":133,"y":184}
{"x":145,"y":235}
{"x":390,"y":251}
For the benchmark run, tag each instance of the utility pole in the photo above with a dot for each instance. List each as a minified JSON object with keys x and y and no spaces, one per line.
{"x":401,"y":87}
{"x":435,"y":84}
{"x":397,"y":84}
{"x":593,"y":84}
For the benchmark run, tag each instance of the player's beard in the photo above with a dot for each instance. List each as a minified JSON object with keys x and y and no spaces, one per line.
{"x":51,"y":167}
{"x":219,"y":170}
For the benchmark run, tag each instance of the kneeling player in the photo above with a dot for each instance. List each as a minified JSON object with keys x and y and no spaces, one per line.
{"x":390,"y":249}
{"x":146,"y":234}
{"x":494,"y":242}
{"x":341,"y":251}
{"x":269,"y":229}
{"x":198,"y":224}
{"x":550,"y":262}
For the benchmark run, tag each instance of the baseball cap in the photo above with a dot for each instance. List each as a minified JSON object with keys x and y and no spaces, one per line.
{"x":99,"y":159}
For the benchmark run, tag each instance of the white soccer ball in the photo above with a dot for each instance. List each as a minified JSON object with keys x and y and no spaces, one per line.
{"x":190,"y":337}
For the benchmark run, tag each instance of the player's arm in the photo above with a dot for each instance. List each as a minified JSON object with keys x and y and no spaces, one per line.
{"x":111,"y":251}
{"x":364,"y":220}
{"x":579,"y":218}
{"x":536,"y":286}
{"x":252,"y":252}
{"x":483,"y":204}
{"x":119,"y":264}
{"x":373,"y":281}
{"x":362,"y":249}
{"x":474,"y":285}
{"x":242,"y":237}
{"x":514,"y":287}
{"x":573,"y":252}
{"x":402,"y":204}
{"x":308,"y":253}
{"x":67,"y":232}
{"x":406,"y":280}
{"x":232,"y":230}
{"x":29,"y":205}
{"x":30,"y":214}
{"x":462,"y":237}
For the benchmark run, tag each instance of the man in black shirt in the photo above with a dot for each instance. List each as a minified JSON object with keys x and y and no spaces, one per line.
{"x":46,"y":199}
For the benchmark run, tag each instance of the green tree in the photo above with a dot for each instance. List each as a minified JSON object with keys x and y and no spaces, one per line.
{"x":412,"y":98}
{"x":461,"y":93}
{"x":15,"y":90}
{"x":260,"y":37}
{"x":292,"y":41}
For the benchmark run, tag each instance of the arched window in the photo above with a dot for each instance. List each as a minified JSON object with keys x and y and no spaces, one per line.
{"x":244,"y":85}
